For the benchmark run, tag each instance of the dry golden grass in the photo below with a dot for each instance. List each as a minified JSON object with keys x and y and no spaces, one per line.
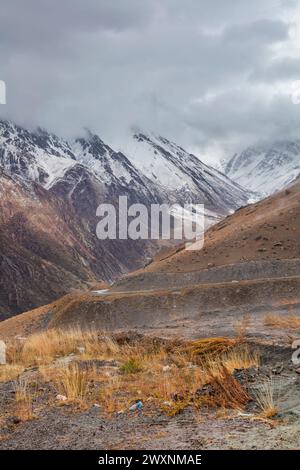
{"x":208,"y":347}
{"x":290,"y":322}
{"x":165,"y":375}
{"x":264,"y":396}
{"x":21,"y":389}
{"x":238,"y":358}
{"x":72,"y":382}
{"x":110,"y":398}
{"x":152,"y":386}
{"x":227,"y":391}
{"x":242,"y":327}
{"x":10,"y":372}
{"x":43,"y":348}
{"x":217,"y":371}
{"x":23,"y":398}
{"x":173,"y":388}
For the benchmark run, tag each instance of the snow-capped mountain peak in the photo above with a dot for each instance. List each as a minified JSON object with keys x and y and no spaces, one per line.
{"x":107,"y":164}
{"x":266,"y":168}
{"x":150,"y":169}
{"x":184,"y":176}
{"x":37,"y":156}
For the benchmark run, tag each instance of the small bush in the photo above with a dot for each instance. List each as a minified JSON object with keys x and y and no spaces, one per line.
{"x":132,"y":366}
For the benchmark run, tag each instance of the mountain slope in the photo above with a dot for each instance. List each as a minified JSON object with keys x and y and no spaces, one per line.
{"x":41,"y":255}
{"x":36,"y":156}
{"x":266,"y":231}
{"x":51,"y":191}
{"x":250,"y":264}
{"x":49,"y":244}
{"x":182,"y":177}
{"x":266,"y":169}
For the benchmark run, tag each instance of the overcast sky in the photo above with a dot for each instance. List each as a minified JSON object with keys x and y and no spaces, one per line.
{"x":213,"y":75}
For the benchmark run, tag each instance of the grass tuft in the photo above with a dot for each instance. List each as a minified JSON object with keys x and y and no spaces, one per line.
{"x":227,"y":391}
{"x":73,"y":382}
{"x":24,"y":400}
{"x":132,"y":366}
{"x":264,"y":396}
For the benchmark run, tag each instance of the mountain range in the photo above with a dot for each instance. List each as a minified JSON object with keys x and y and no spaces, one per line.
{"x":51,"y":188}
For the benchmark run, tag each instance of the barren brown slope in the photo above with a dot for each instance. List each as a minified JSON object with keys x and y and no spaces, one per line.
{"x":267,"y":230}
{"x":259,"y":241}
{"x":34,"y":320}
{"x":199,"y":311}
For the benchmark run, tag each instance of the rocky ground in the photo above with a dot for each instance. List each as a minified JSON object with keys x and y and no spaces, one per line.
{"x":60,"y":429}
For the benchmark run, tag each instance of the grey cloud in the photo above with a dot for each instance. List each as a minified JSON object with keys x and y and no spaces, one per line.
{"x":260,"y":32}
{"x":191,"y":70}
{"x":278,"y":70}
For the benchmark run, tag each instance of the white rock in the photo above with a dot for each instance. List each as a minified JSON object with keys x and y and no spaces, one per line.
{"x":61,"y":397}
{"x":2,"y":353}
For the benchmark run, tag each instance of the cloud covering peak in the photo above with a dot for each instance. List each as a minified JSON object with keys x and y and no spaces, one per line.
{"x":212,"y":75}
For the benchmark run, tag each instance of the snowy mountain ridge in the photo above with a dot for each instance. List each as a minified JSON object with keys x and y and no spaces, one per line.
{"x":151,"y":167}
{"x":265,"y":168}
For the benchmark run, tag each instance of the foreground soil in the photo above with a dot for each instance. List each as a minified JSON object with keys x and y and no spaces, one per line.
{"x":58,"y":429}
{"x":57,"y":425}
